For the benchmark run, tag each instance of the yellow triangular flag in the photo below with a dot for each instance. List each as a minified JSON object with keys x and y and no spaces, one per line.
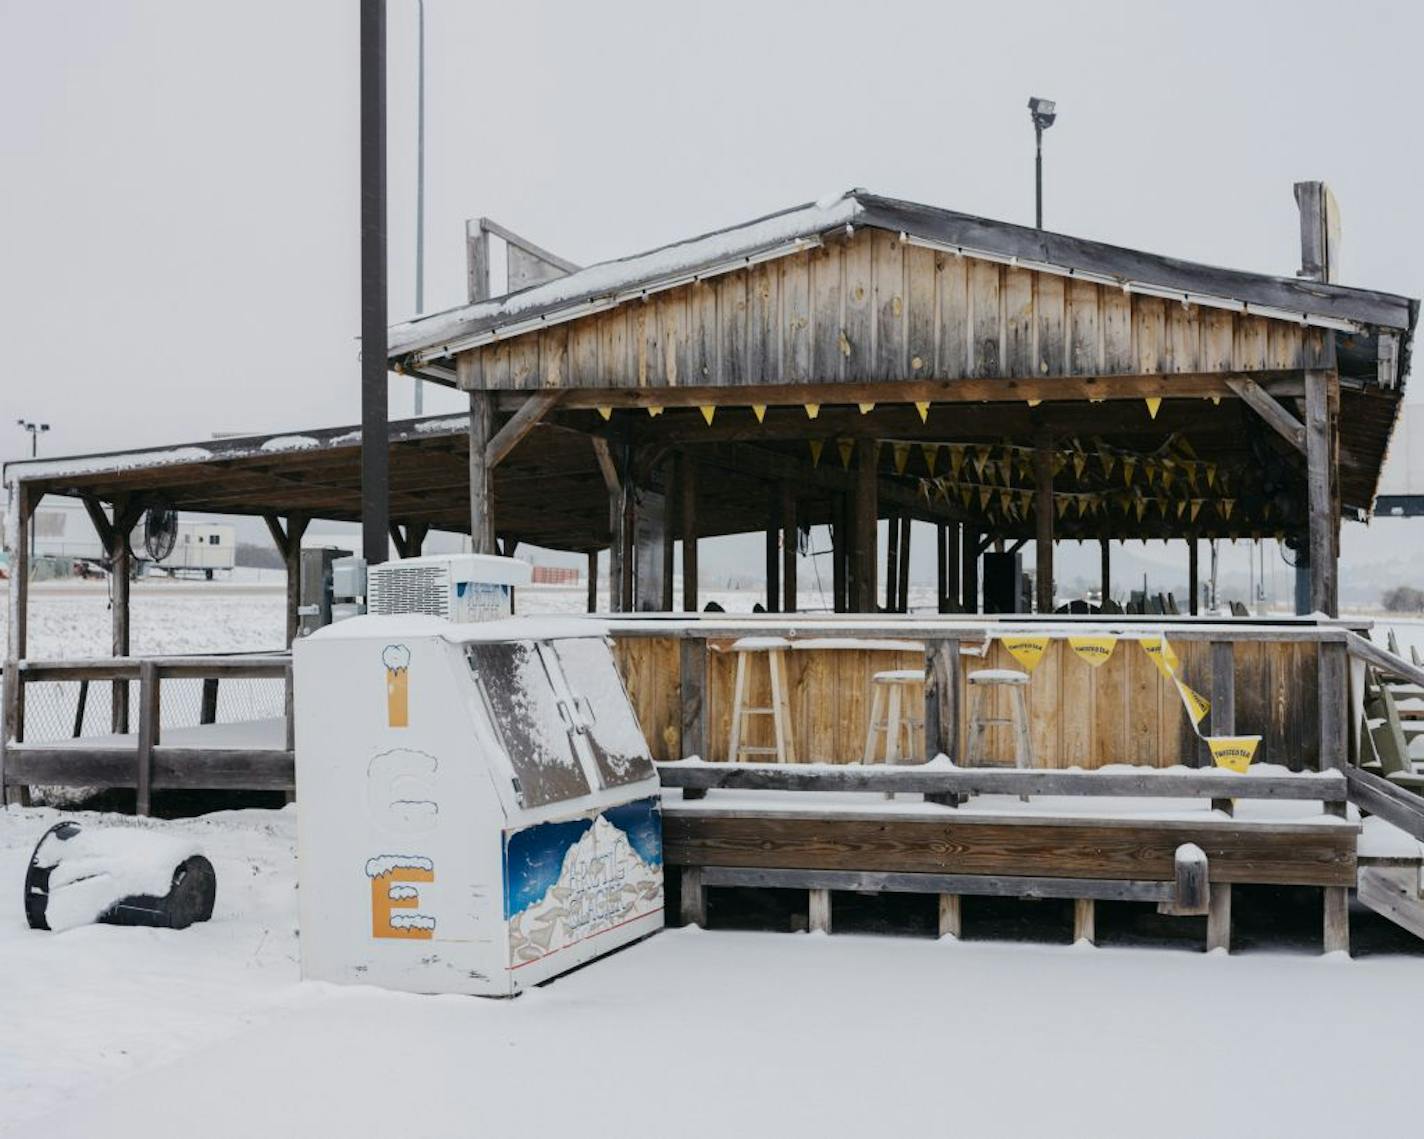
{"x":984,"y":493}
{"x":1162,"y":655}
{"x":847,"y":449}
{"x":1141,"y":508}
{"x":1034,"y":402}
{"x":708,"y":411}
{"x":1196,"y":508}
{"x":1109,"y":461}
{"x":606,"y":412}
{"x":931,"y":454}
{"x":1211,"y":474}
{"x":813,"y":410}
{"x":1154,"y":404}
{"x":865,"y":408}
{"x":1080,"y":463}
{"x":759,"y":410}
{"x":1129,"y":464}
{"x":902,"y":457}
{"x":924,"y":410}
{"x":956,"y":461}
{"x":1094,"y":649}
{"x":965,"y":494}
{"x":817,"y":446}
{"x":1196,"y":704}
{"x":1181,"y":506}
{"x":1060,"y":504}
{"x":654,"y":411}
{"x":1233,"y":752}
{"x":1227,"y":506}
{"x":1028,"y":651}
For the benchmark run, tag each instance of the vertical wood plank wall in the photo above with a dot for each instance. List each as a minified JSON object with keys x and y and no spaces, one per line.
{"x":1121,"y":712}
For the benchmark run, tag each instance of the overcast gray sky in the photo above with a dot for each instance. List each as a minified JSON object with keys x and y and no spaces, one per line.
{"x":178,"y":194}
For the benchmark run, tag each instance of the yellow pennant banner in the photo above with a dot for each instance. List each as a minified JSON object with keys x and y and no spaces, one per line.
{"x":1196,"y":704}
{"x":1233,"y":752}
{"x":1094,"y":649}
{"x":1163,"y":655}
{"x":1028,"y":651}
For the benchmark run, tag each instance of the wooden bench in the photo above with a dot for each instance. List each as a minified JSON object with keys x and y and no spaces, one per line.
{"x":731,"y":840}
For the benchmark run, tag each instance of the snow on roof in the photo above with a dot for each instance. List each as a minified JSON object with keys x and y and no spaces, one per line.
{"x":598,"y":286}
{"x":610,"y":278}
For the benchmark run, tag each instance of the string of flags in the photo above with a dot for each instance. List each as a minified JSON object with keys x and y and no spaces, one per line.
{"x":1232,"y":752}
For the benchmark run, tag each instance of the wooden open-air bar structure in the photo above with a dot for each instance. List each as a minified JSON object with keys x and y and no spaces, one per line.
{"x":856,"y":363}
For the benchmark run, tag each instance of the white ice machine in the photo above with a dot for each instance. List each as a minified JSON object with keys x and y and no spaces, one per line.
{"x":478,"y":810}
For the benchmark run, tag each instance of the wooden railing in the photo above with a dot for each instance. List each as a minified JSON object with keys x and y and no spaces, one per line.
{"x":1374,"y":793}
{"x":145,"y":762}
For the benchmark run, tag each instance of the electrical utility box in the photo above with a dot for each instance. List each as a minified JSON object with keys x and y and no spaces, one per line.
{"x":478,"y":808}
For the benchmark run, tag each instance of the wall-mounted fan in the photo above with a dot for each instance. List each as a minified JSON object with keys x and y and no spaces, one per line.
{"x":160,"y":531}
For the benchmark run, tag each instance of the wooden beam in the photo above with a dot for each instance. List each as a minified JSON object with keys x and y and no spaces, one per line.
{"x":1105,"y":572}
{"x":687,"y":478}
{"x":902,"y":588}
{"x":790,"y":536}
{"x":1184,"y":385}
{"x":892,"y":563}
{"x":292,"y":558}
{"x":866,"y":512}
{"x":1043,"y":457}
{"x":942,"y":565}
{"x":592,"y":581}
{"x":481,"y":482}
{"x":1286,"y":425}
{"x":1320,"y":483}
{"x":519,"y":425}
{"x":693,"y":696}
{"x":969,"y":556}
{"x":1193,"y":576}
{"x":773,"y":550}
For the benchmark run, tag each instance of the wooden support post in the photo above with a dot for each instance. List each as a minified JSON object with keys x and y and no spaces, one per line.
{"x":592,"y":572}
{"x":941,"y":714}
{"x":951,"y":916}
{"x":1193,"y":577}
{"x":629,"y":544}
{"x":840,"y":532}
{"x":292,"y":557}
{"x":481,"y":481}
{"x":773,"y":551}
{"x":1337,"y":919}
{"x":892,"y":563}
{"x":83,"y":702}
{"x":1106,"y":572}
{"x":1218,"y":917}
{"x":694,"y":897}
{"x":867,"y":486}
{"x":1043,"y":518}
{"x":687,"y":477}
{"x":289,"y":718}
{"x":1084,"y":921}
{"x":17,"y":635}
{"x":415,"y":534}
{"x":942,"y":566}
{"x":969,"y":556}
{"x":902,"y":588}
{"x":669,"y":535}
{"x":208,"y":712}
{"x":1333,"y":683}
{"x":148,"y":720}
{"x":790,"y":537}
{"x":121,"y":563}
{"x":1321,"y":489}
{"x":820,"y":911}
{"x":692,"y":665}
{"x":1223,"y":705}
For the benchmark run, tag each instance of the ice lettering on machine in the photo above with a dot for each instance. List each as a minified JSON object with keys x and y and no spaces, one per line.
{"x":396,"y":658}
{"x":391,"y":875}
{"x":400,"y":791}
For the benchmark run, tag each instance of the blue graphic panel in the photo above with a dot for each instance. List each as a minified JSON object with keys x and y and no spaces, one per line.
{"x":534,"y":857}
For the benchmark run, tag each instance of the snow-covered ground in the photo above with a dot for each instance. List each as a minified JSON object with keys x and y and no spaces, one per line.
{"x":134,"y":1032}
{"x":114,"y":1031}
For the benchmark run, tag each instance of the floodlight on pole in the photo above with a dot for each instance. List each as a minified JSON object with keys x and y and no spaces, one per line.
{"x":35,"y":430}
{"x":1043,"y":113}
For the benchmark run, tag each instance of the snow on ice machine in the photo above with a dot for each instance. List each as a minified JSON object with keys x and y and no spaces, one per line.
{"x":478,"y":810}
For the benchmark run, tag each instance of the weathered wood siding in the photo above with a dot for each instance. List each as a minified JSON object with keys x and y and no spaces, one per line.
{"x":1121,"y":712}
{"x":875,"y":308}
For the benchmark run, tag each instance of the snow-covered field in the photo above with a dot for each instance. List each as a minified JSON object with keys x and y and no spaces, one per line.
{"x":133,"y":1032}
{"x":113,"y":1031}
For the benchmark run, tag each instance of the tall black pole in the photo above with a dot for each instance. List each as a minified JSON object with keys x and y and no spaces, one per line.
{"x":1038,"y":176}
{"x":375,"y":457}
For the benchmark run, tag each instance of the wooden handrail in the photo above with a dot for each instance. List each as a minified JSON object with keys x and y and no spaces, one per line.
{"x":1329,"y":787}
{"x":1371,"y":653}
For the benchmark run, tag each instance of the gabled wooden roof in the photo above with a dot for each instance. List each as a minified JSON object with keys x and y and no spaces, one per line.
{"x":420,"y":345}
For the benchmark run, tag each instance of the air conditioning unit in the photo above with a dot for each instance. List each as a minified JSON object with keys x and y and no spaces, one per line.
{"x":458,"y":587}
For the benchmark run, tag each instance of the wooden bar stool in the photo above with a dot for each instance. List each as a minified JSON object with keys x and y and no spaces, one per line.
{"x":774,"y":649}
{"x":981,"y":684}
{"x":890,"y":692}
